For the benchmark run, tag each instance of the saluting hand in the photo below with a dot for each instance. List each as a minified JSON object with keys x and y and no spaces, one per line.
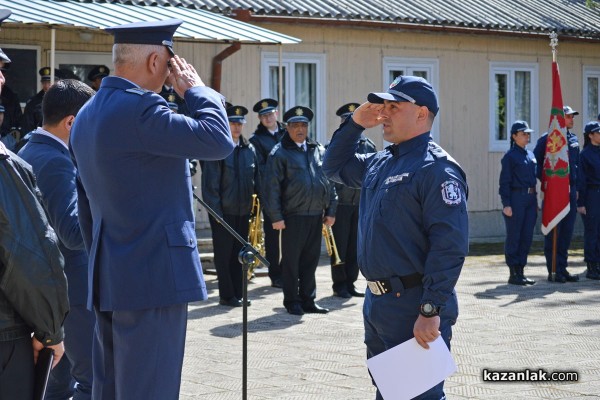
{"x":367,"y":115}
{"x":183,"y":76}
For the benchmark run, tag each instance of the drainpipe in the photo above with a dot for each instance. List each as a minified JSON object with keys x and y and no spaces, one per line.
{"x":218,"y":64}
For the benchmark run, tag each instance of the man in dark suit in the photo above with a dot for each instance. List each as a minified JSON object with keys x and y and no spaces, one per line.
{"x":136,"y":213}
{"x":48,"y":154}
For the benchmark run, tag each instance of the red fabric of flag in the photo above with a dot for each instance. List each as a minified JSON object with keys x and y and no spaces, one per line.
{"x":555,"y":174}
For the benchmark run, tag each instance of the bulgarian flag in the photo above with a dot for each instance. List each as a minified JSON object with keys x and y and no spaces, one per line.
{"x":555,"y":174}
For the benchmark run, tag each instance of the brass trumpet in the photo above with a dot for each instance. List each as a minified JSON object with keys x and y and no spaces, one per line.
{"x":331,"y":247}
{"x":255,"y":232}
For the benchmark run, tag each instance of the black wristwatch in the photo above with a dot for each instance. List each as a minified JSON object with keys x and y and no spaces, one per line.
{"x":429,"y":310}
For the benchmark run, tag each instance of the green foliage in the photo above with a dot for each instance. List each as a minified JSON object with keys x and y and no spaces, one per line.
{"x":591,"y":4}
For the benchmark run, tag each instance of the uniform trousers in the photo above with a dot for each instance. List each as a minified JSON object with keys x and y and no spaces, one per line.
{"x":227,"y":249}
{"x":389,"y":320}
{"x":300,"y":249}
{"x":345,"y":232}
{"x":139,"y":354}
{"x":272,"y":251}
{"x":591,"y":225}
{"x":564,"y":236}
{"x":519,"y":228}
{"x":16,"y":369}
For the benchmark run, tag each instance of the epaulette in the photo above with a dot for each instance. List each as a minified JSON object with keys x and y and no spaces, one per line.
{"x":137,"y":90}
{"x":3,"y":152}
{"x":440,"y":154}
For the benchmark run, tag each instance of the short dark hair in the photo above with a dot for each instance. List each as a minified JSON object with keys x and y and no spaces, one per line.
{"x":64,"y":98}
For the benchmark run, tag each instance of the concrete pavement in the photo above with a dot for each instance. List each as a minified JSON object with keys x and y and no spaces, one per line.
{"x":551,"y":326}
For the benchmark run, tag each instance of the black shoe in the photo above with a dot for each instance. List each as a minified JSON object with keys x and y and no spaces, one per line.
{"x":355,"y":292}
{"x":571,"y":278}
{"x":314,"y":308}
{"x":523,"y":277}
{"x":344,"y":294}
{"x":232,"y":302}
{"x":592,"y":272}
{"x":295,"y":309}
{"x":557,"y":278}
{"x":515,"y":278}
{"x":276,"y":283}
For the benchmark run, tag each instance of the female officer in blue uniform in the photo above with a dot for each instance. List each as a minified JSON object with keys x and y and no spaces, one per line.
{"x":519,"y":201}
{"x":589,"y":198}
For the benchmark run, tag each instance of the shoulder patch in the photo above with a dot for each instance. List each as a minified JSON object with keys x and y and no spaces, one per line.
{"x":451,"y":192}
{"x":138,"y":91}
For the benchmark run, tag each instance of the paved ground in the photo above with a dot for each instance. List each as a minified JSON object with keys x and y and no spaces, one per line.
{"x":551,"y":326}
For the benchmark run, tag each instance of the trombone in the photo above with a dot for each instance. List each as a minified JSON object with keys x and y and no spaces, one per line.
{"x":332,"y":250}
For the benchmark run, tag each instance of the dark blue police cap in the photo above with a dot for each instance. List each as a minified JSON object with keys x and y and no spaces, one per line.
{"x":45,"y":74}
{"x":591,"y":127}
{"x":346,"y":109}
{"x":519,"y":126}
{"x":99,"y":71}
{"x":265,"y":106}
{"x":412,"y":89}
{"x":153,"y":32}
{"x":237,"y":114}
{"x":569,"y":111}
{"x":298,"y":114}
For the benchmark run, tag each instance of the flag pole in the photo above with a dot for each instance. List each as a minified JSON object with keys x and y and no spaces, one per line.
{"x":554,"y":45}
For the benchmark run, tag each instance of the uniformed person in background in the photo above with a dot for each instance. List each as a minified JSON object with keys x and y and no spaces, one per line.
{"x":169,"y":94}
{"x":413,"y":228}
{"x":32,"y":116}
{"x":227,"y":188}
{"x":519,"y":201}
{"x":135,"y":209}
{"x":345,"y":229}
{"x":96,"y":75}
{"x":299,"y":200}
{"x":588,"y":203}
{"x":267,"y":134}
{"x":10,"y":101}
{"x":566,"y":225}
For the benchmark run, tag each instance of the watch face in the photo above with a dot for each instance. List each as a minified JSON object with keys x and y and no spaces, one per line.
{"x":427,"y":308}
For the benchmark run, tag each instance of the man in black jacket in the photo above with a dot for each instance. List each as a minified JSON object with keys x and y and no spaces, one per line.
{"x":227,"y":188}
{"x":345,"y":230}
{"x":300,"y":199}
{"x":33,"y":287}
{"x":268,"y":133}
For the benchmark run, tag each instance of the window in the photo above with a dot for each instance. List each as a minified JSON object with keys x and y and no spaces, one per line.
{"x":424,"y":68}
{"x":78,"y":64}
{"x":513,"y":96}
{"x":302,"y":74}
{"x":591,"y":90}
{"x":22,"y":74}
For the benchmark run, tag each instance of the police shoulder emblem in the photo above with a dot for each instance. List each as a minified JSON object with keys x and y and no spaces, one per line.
{"x":451,"y":192}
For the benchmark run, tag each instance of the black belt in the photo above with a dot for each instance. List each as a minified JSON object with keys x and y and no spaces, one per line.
{"x":384,"y":286}
{"x":529,"y":190}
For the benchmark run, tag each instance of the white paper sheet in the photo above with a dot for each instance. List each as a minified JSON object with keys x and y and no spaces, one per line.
{"x":407,"y":370}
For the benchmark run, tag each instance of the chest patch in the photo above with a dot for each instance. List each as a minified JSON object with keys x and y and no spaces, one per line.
{"x":396,"y":178}
{"x":451,"y":192}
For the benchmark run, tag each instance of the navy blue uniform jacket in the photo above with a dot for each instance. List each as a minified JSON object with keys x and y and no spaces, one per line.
{"x":135,"y":192}
{"x":55,"y":173}
{"x":412,"y":211}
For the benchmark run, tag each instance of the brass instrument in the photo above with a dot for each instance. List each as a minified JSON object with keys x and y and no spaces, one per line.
{"x":331,"y":247}
{"x":255,"y":232}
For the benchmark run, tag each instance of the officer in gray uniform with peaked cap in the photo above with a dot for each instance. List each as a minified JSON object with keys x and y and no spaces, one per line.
{"x":135,"y":210}
{"x":413,"y":225}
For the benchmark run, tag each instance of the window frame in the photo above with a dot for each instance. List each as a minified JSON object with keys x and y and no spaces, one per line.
{"x":289,"y":60}
{"x":496,"y":145}
{"x":589,"y":71}
{"x":38,"y":50}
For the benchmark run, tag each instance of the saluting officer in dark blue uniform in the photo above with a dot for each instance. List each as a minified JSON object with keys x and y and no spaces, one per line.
{"x":227,"y":188}
{"x":136,"y":213}
{"x":299,"y":200}
{"x":519,"y":201}
{"x":413,"y":226}
{"x":566,"y":225}
{"x":345,"y":229}
{"x":589,"y":198}
{"x":267,"y":134}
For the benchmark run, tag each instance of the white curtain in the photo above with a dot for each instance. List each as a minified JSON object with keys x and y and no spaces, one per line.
{"x":522,"y":109}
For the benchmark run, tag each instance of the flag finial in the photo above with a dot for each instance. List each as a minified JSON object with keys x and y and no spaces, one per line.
{"x":553,"y":44}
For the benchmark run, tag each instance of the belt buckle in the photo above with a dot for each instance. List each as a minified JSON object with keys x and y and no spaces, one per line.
{"x":374,"y":287}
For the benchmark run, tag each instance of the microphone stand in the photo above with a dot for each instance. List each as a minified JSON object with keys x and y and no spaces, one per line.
{"x":247,"y":256}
